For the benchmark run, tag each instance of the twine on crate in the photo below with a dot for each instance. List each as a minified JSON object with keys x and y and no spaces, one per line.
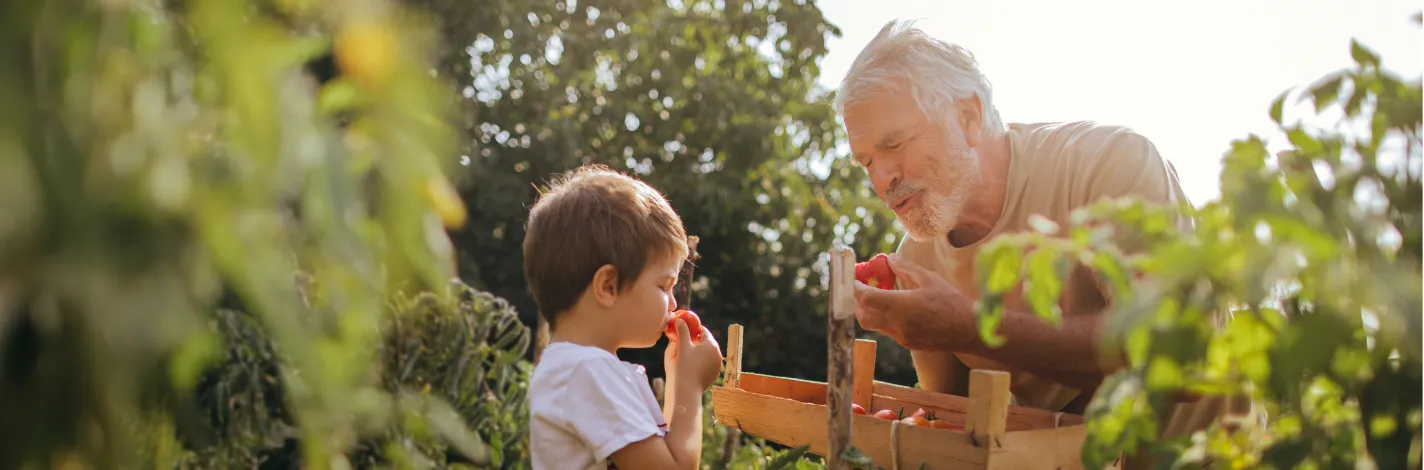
{"x":895,"y":444}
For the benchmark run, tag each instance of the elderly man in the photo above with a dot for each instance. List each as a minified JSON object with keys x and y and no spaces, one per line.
{"x":921,"y":121}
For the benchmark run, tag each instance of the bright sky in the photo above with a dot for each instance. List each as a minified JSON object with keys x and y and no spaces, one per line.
{"x":1192,"y":76}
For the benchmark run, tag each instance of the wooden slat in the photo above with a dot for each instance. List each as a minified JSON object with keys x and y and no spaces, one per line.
{"x":1047,"y":449}
{"x":795,"y":389}
{"x":732,"y":373}
{"x":891,"y":397}
{"x":1019,"y":417}
{"x":864,"y":371}
{"x":988,"y":407}
{"x":793,"y":423}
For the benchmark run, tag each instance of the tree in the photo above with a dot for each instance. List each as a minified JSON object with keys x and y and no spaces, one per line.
{"x":1316,"y":251}
{"x":713,"y":103}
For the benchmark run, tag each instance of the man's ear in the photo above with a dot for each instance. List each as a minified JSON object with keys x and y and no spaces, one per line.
{"x":605,"y":286}
{"x":971,"y":119}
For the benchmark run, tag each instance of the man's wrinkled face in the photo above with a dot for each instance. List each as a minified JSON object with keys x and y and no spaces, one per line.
{"x":923,"y":169}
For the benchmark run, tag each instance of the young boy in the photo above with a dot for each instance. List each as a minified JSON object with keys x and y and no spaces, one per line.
{"x":601,"y":254}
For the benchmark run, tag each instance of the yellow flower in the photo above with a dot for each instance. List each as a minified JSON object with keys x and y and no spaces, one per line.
{"x":366,"y":52}
{"x":445,"y":201}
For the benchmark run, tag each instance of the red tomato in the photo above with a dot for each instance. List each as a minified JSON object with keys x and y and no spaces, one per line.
{"x":916,"y":421}
{"x":857,"y":409}
{"x":876,"y":272}
{"x":886,"y":415}
{"x":694,"y":325}
{"x":920,"y":413}
{"x":942,"y":424}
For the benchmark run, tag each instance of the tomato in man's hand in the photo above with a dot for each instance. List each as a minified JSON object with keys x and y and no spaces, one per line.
{"x":876,"y":272}
{"x":694,"y":325}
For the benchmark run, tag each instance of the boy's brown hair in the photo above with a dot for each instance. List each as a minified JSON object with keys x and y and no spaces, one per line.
{"x":590,"y":217}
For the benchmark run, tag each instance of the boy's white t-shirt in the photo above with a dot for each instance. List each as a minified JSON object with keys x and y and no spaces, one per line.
{"x":585,"y":404}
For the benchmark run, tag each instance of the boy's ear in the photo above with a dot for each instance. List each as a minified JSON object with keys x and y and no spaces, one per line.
{"x":605,"y":286}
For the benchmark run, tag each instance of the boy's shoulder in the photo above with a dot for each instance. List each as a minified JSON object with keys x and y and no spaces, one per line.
{"x":586,"y":404}
{"x":560,"y":359}
{"x":571,"y":368}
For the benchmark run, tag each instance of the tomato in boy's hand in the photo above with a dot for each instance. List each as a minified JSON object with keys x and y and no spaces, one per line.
{"x":694,"y":325}
{"x":876,"y":272}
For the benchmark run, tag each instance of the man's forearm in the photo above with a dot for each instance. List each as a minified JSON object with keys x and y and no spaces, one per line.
{"x":1067,"y":354}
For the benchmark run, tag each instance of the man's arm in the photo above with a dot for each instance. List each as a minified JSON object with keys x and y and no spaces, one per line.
{"x":1067,"y":354}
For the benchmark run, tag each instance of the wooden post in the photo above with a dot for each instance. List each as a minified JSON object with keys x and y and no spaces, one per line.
{"x":864,"y":372}
{"x":988,"y":407}
{"x":840,"y":338}
{"x":682,"y":290}
{"x":732,"y":378}
{"x":732,"y":372}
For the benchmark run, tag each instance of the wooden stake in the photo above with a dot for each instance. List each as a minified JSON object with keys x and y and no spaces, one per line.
{"x":988,"y":407}
{"x":732,"y":371}
{"x":840,"y":337}
{"x":682,"y":290}
{"x":864,"y":372}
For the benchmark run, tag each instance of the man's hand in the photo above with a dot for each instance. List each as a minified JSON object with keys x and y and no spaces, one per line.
{"x":929,"y":315}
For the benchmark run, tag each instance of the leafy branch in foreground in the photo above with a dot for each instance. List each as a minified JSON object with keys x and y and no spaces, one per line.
{"x":1299,"y":288}
{"x":156,"y":154}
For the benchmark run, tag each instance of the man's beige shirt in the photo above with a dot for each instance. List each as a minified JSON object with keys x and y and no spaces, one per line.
{"x":1054,"y":169}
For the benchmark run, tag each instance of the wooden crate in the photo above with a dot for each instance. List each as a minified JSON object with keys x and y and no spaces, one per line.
{"x":796,"y":412}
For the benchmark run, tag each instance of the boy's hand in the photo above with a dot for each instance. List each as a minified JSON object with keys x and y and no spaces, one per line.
{"x":696,"y":363}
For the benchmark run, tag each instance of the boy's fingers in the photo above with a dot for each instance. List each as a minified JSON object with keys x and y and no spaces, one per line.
{"x":682,"y":335}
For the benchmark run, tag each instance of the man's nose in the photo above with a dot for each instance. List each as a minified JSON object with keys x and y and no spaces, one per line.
{"x":884,"y":177}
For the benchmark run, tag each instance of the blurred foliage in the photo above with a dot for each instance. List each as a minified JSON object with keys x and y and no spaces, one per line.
{"x":154,"y":155}
{"x":1315,"y":252}
{"x":463,"y":348}
{"x":712,"y":102}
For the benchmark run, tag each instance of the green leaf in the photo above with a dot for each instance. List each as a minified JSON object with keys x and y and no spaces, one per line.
{"x":1307,"y":144}
{"x":1325,"y":93}
{"x":1004,"y":263}
{"x":1363,"y":55}
{"x":989,"y":326}
{"x":1045,"y":284}
{"x":856,"y":458}
{"x":1278,"y":107}
{"x":788,"y":458}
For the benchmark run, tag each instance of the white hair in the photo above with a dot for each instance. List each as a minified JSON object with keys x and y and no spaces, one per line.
{"x":938,"y":74}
